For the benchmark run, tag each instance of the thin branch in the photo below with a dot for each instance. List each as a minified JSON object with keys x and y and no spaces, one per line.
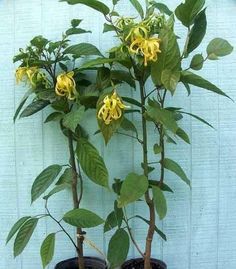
{"x":131,"y":235}
{"x":58,"y":222}
{"x":131,"y":136}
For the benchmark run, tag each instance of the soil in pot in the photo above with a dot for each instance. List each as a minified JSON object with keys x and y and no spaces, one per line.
{"x":139,"y":264}
{"x":90,"y":263}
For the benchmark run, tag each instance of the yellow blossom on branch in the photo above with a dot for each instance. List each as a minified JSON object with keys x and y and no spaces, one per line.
{"x":26,"y":74}
{"x":66,"y":85}
{"x":148,"y":47}
{"x":112,"y":108}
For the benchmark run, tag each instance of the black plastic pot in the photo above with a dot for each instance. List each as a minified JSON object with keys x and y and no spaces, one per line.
{"x":90,"y":263}
{"x":139,"y":264}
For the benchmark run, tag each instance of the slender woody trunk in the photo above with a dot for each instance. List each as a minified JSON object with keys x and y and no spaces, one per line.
{"x":76,"y":200}
{"x":149,"y":201}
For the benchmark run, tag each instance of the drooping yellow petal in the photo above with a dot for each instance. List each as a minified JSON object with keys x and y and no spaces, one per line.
{"x":112,"y":108}
{"x":26,"y":74}
{"x":149,"y":48}
{"x":66,"y":85}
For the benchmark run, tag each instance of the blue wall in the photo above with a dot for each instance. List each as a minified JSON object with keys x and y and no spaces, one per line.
{"x":201,"y":224}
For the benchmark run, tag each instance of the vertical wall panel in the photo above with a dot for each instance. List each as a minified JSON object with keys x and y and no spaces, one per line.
{"x":200,"y":225}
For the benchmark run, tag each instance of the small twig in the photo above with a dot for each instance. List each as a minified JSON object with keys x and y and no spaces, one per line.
{"x":131,"y":136}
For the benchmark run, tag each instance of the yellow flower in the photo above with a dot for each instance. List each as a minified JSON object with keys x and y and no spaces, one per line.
{"x":139,"y":31}
{"x":149,"y":48}
{"x":112,"y":108}
{"x":26,"y":73}
{"x":66,"y":85}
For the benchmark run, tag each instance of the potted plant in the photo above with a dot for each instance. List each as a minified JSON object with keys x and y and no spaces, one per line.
{"x":54,"y":78}
{"x":150,"y":51}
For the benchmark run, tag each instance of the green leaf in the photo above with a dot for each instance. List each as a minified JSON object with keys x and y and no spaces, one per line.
{"x":56,"y":189}
{"x":22,"y":102}
{"x":159,"y":232}
{"x":218,"y":47}
{"x":66,"y":177}
{"x":92,"y":163}
{"x":168,"y":59}
{"x":44,"y":180}
{"x":97,"y":5}
{"x":162,"y":186}
{"x":82,"y":49}
{"x":77,"y":31}
{"x":131,"y":101}
{"x":123,"y":76}
{"x":160,"y":202}
{"x":182,"y":134}
{"x":197,"y":32}
{"x":175,"y":168}
{"x":118,"y":248}
{"x":161,"y":115}
{"x":128,"y":125}
{"x":75,"y":22}
{"x":55,"y":116}
{"x":82,"y":218}
{"x":170,"y":79}
{"x":95,"y":62}
{"x":114,"y":219}
{"x":138,"y":7}
{"x":108,"y":28}
{"x":72,"y":119}
{"x":193,"y":79}
{"x":149,"y":168}
{"x":16,"y":227}
{"x":198,"y":118}
{"x":23,"y":236}
{"x":47,"y":249}
{"x":162,"y":8}
{"x":187,"y":12}
{"x":197,"y":62}
{"x":157,"y":149}
{"x":34,"y":107}
{"x":133,"y":188}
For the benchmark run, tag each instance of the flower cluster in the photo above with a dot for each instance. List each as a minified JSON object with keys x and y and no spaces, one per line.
{"x":66,"y":85}
{"x":112,"y":108}
{"x":26,"y":74}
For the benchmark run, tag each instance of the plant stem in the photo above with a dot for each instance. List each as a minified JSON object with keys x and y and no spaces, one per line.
{"x":149,"y":201}
{"x":76,"y":200}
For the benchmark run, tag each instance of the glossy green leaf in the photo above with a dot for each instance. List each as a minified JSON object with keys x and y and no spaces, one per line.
{"x":82,"y":218}
{"x":75,"y":22}
{"x":197,"y":32}
{"x":97,"y":5}
{"x":162,"y":8}
{"x":218,"y":47}
{"x":16,"y":227}
{"x":133,"y":188}
{"x":34,"y":107}
{"x":56,"y":189}
{"x":161,"y":115}
{"x":183,"y":135}
{"x":44,"y":180}
{"x":82,"y":49}
{"x":198,"y":118}
{"x":108,"y":28}
{"x":95,"y":62}
{"x":131,"y":101}
{"x":170,"y":79}
{"x":168,"y":59}
{"x":55,"y":116}
{"x":163,"y":186}
{"x":159,"y":202}
{"x":186,"y":12}
{"x":72,"y":119}
{"x":114,"y":219}
{"x":158,"y":231}
{"x":92,"y":163}
{"x":123,"y":76}
{"x":118,"y":248}
{"x":193,"y":79}
{"x":22,"y":102}
{"x":175,"y":168}
{"x":197,"y":62}
{"x":128,"y":125}
{"x":23,"y":236}
{"x":47,"y":249}
{"x":138,"y":7}
{"x":66,"y":177}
